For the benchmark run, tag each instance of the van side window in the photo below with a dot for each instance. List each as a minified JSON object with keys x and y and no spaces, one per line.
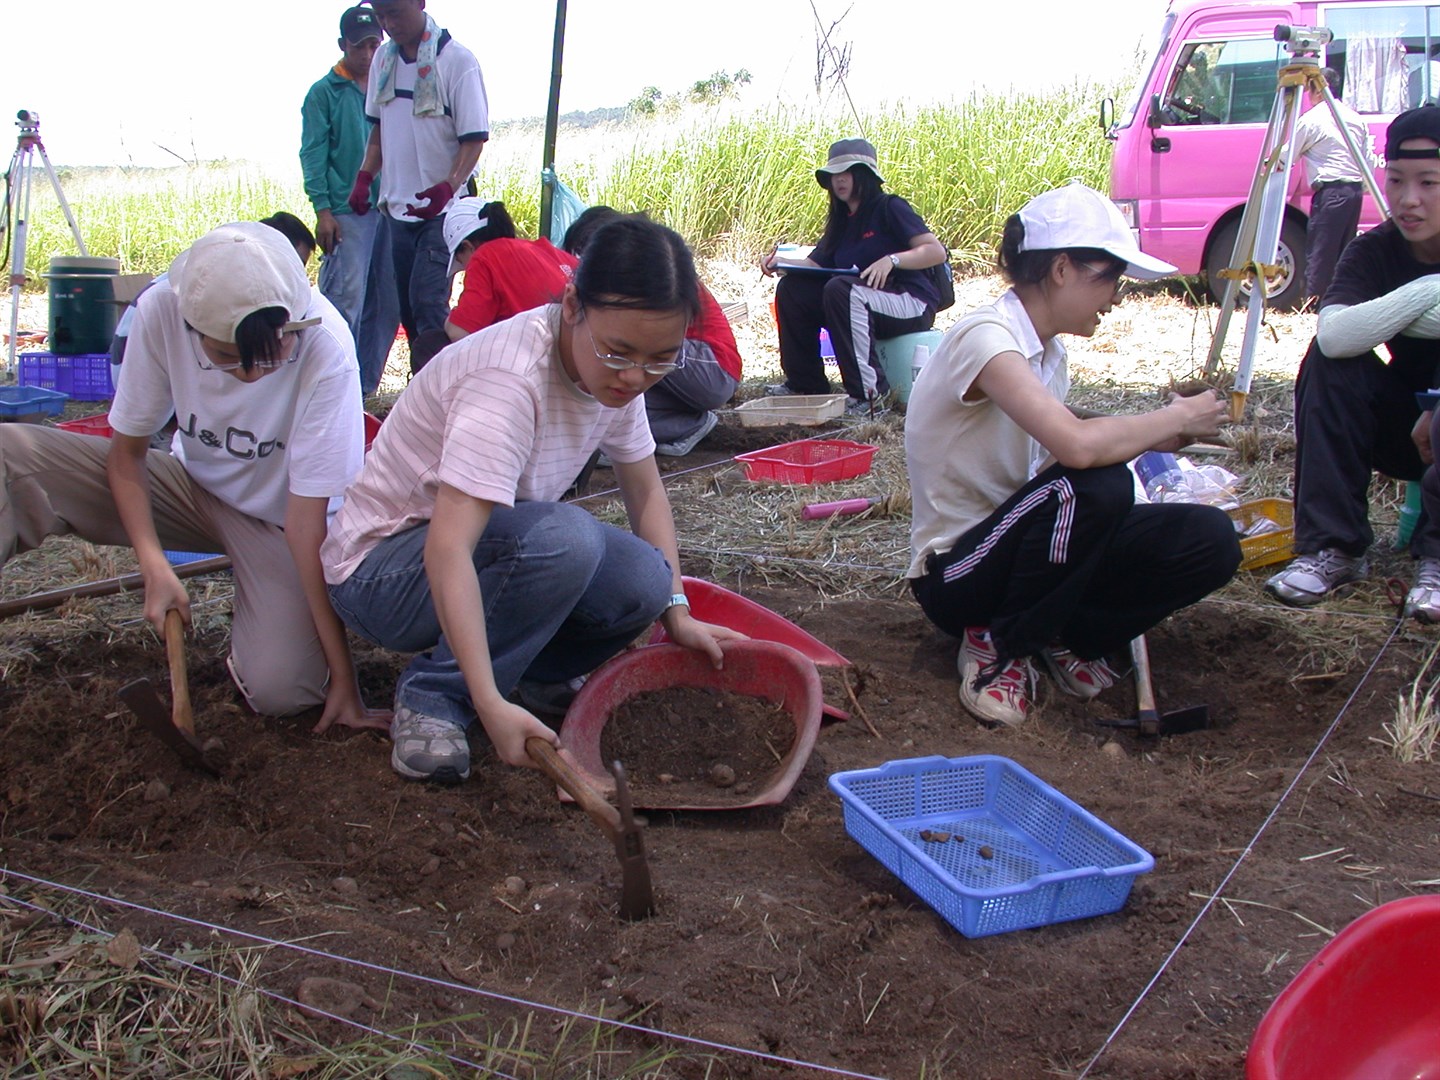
{"x":1223,"y":82}
{"x":1388,"y":57}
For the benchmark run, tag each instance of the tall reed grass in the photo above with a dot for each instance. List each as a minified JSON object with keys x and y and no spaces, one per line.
{"x":731,"y":183}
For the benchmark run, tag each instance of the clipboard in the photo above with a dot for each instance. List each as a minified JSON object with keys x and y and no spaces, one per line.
{"x":822,"y":271}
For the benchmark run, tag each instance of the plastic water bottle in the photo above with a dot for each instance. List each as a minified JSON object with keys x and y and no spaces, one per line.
{"x":1161,"y":477}
{"x":827,"y":348}
{"x":918,"y":360}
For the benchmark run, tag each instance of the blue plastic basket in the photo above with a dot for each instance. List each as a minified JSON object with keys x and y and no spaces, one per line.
{"x":180,"y":558}
{"x":30,"y":401}
{"x":1049,"y":859}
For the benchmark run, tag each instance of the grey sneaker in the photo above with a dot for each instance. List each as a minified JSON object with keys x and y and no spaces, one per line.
{"x":681,"y":447}
{"x":783,"y":389}
{"x":1423,"y":601}
{"x":428,"y":748}
{"x":859,"y":409}
{"x":1311,"y":578}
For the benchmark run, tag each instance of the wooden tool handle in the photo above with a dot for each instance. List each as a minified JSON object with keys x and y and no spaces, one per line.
{"x":1147,"y":718}
{"x":590,"y":800}
{"x":180,"y":712}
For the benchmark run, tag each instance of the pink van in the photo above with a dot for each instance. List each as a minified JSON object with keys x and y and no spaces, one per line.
{"x":1187,"y":142}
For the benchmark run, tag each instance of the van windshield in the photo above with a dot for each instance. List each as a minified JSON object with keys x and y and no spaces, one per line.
{"x":1223,"y":82}
{"x":1127,"y":117}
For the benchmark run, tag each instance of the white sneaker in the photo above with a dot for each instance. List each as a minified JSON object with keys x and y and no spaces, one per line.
{"x":1005,"y":700}
{"x":1311,"y":578}
{"x":1422,"y":602}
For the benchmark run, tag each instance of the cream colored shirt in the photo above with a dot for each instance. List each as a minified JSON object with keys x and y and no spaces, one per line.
{"x":965,"y":458}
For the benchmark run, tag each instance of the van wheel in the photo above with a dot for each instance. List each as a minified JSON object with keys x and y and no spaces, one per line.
{"x":1286,"y":290}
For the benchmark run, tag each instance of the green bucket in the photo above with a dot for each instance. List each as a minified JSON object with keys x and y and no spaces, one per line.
{"x":83,"y":311}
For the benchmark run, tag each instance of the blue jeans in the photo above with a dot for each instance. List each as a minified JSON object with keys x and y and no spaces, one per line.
{"x":563,"y":593}
{"x":380,"y":314}
{"x":343,"y":272}
{"x":421,"y":260}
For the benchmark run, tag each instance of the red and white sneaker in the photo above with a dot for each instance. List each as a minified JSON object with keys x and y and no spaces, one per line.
{"x":1083,"y":679}
{"x":1005,"y":699}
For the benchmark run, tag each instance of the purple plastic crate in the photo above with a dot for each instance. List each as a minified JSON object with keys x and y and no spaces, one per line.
{"x":85,"y":377}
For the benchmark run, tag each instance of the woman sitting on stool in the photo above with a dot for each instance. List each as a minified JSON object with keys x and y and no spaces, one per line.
{"x":890,"y":245}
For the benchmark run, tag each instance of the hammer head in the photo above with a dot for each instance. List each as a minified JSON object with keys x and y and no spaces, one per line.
{"x":637,"y":896}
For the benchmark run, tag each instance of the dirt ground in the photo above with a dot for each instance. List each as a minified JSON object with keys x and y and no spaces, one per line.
{"x":776,"y":932}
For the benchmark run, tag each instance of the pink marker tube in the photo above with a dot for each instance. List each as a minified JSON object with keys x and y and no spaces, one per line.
{"x":832,"y":509}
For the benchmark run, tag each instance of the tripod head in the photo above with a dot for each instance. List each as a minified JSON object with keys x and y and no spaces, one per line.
{"x":1304,"y":42}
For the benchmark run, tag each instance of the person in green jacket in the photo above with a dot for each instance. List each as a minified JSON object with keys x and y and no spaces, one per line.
{"x":354,"y":276}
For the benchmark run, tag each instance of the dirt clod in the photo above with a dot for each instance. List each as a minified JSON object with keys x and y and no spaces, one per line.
{"x":931,"y":836}
{"x":157,"y":790}
{"x":722,"y":775}
{"x":986,"y":851}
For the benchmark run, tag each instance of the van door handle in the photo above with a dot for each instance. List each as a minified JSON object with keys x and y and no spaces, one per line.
{"x":1160,"y":144}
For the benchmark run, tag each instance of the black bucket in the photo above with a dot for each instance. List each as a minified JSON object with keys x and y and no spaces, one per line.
{"x":83,"y":311}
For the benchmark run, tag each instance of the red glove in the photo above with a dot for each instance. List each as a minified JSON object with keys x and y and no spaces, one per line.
{"x":436,"y":197}
{"x":359,"y":199}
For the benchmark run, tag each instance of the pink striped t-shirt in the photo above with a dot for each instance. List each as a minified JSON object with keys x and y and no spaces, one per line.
{"x":495,"y":416}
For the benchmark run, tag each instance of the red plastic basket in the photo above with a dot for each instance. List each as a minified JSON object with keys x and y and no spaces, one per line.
{"x":99,"y":424}
{"x":372,"y":428}
{"x":810,"y":461}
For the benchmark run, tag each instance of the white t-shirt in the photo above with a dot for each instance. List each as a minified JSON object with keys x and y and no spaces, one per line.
{"x":418,"y":151}
{"x":965,"y":458}
{"x":493,"y":415}
{"x":297,"y":430}
{"x":1326,"y":156}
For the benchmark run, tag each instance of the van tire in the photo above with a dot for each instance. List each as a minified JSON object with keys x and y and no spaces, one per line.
{"x":1290,"y":257}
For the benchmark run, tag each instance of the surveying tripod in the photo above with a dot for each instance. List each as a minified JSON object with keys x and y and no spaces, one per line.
{"x":18,"y":182}
{"x":1253,"y":259}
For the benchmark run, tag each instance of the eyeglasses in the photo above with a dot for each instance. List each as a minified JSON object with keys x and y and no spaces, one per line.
{"x":1122,"y":287}
{"x":621,"y":363}
{"x":206,"y":364}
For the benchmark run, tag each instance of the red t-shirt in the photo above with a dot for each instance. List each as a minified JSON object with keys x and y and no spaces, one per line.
{"x":506,"y":277}
{"x":714,"y":330}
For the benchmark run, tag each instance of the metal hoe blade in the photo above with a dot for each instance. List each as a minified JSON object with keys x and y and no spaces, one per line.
{"x":141,"y":699}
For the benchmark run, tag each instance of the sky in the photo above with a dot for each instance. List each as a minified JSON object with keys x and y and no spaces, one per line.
{"x":157,"y":81}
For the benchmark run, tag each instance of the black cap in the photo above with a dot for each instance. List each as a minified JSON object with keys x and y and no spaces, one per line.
{"x":357,"y":24}
{"x":1421,"y":123}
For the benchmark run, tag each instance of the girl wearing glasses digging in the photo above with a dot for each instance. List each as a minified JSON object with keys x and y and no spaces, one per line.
{"x":453,"y":544}
{"x":260,"y":373}
{"x":1026,"y":541}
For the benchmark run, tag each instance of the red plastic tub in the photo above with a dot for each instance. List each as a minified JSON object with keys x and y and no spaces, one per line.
{"x":763,"y":669}
{"x":716,"y":604}
{"x":1367,"y":1007}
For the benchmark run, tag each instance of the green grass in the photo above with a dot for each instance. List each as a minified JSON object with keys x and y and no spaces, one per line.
{"x":731,"y":185}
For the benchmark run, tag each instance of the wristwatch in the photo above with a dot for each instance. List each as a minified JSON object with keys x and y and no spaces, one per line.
{"x":678,"y":599}
{"x":895,"y":260}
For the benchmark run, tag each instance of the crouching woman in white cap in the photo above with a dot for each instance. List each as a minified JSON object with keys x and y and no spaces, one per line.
{"x":1026,"y":542}
{"x":260,"y":373}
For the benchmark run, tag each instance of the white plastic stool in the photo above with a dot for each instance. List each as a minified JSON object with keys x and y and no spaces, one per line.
{"x":895,"y":355}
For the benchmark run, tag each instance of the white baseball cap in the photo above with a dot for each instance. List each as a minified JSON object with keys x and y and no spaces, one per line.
{"x":234,"y":271}
{"x":1076,"y":216}
{"x":464,"y":217}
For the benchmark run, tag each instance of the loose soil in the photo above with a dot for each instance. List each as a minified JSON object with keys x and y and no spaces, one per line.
{"x":775,"y":931}
{"x":696,"y":741}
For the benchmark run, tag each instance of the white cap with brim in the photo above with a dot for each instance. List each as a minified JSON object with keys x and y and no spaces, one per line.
{"x":1076,"y":216}
{"x":234,"y":271}
{"x":465,"y":216}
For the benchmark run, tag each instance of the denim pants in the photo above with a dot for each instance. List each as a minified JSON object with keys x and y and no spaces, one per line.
{"x":380,"y":314}
{"x":563,"y":593}
{"x":1069,"y":559}
{"x":420,"y":258}
{"x":344,"y":270}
